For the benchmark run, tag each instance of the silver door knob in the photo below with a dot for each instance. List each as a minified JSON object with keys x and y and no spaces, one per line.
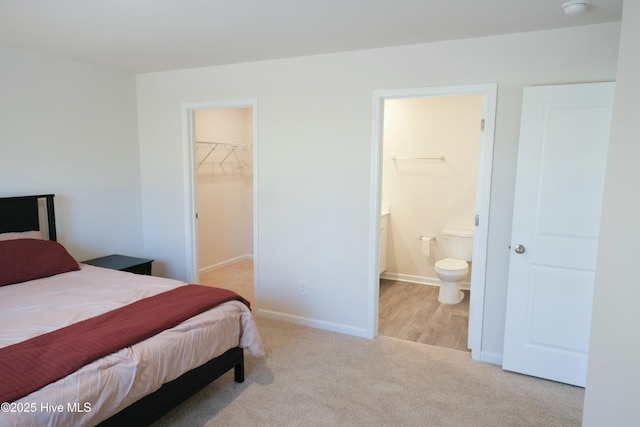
{"x":519,"y":249}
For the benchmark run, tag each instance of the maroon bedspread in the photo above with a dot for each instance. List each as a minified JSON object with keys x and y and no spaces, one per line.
{"x":30,"y":365}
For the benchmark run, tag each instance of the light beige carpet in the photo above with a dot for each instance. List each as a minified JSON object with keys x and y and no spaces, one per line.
{"x":237,"y":276}
{"x":319,"y":378}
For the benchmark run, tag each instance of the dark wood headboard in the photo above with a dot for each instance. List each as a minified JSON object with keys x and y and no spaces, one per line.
{"x":21,"y":214}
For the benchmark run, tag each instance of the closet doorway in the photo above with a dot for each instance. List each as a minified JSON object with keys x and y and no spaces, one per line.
{"x":222,"y":147}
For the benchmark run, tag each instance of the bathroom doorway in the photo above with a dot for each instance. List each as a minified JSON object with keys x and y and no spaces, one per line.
{"x":222,"y":152}
{"x":429,"y":169}
{"x":435,"y":147}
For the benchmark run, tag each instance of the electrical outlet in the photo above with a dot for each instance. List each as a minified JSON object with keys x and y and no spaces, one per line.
{"x":302,"y":287}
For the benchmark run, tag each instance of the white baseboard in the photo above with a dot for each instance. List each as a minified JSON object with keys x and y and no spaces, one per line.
{"x":314,"y":323}
{"x":226,"y":263}
{"x":423,"y":280}
{"x":493,"y":358}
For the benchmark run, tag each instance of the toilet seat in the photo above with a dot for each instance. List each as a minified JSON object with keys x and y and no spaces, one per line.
{"x":450,"y":264}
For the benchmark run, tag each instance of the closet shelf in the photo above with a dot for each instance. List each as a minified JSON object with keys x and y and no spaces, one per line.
{"x":441,"y":158}
{"x":213,"y":145}
{"x":228,"y":145}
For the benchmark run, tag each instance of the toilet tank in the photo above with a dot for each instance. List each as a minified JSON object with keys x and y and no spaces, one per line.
{"x":458,"y":244}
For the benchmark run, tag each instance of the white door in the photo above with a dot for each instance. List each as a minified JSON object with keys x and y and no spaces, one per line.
{"x":562,"y":153}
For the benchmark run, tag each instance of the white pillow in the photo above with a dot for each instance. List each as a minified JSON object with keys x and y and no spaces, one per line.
{"x":22,"y":235}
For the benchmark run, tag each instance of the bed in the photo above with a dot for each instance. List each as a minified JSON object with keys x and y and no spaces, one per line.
{"x":134,"y":385}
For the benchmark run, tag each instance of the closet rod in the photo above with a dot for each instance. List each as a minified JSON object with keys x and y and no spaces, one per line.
{"x":441,"y":158}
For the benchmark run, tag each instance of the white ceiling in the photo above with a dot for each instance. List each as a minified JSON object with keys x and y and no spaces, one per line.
{"x":157,"y":35}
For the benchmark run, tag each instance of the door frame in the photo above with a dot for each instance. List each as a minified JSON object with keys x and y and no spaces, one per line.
{"x":190,"y":200}
{"x":489,"y":93}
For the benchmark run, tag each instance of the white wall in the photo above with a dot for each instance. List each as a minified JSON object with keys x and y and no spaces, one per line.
{"x":224,"y":180}
{"x":426,"y":196}
{"x":315,"y":148}
{"x":613,"y":379}
{"x":70,"y":128}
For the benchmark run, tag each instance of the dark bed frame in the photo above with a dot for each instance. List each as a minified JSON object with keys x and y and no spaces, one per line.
{"x":22,"y":214}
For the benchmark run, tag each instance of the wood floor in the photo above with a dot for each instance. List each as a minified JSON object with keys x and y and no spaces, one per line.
{"x":411,"y":311}
{"x":408,"y":311}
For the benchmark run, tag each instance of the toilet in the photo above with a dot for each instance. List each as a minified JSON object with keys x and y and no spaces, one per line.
{"x":458,"y":248}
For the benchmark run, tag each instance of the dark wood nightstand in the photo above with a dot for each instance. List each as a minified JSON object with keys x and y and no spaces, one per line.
{"x":123,"y":263}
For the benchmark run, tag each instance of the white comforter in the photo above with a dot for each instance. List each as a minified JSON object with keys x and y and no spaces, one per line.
{"x":107,"y":385}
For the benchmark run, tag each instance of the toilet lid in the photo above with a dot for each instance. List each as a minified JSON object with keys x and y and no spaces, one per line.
{"x":452,"y":264}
